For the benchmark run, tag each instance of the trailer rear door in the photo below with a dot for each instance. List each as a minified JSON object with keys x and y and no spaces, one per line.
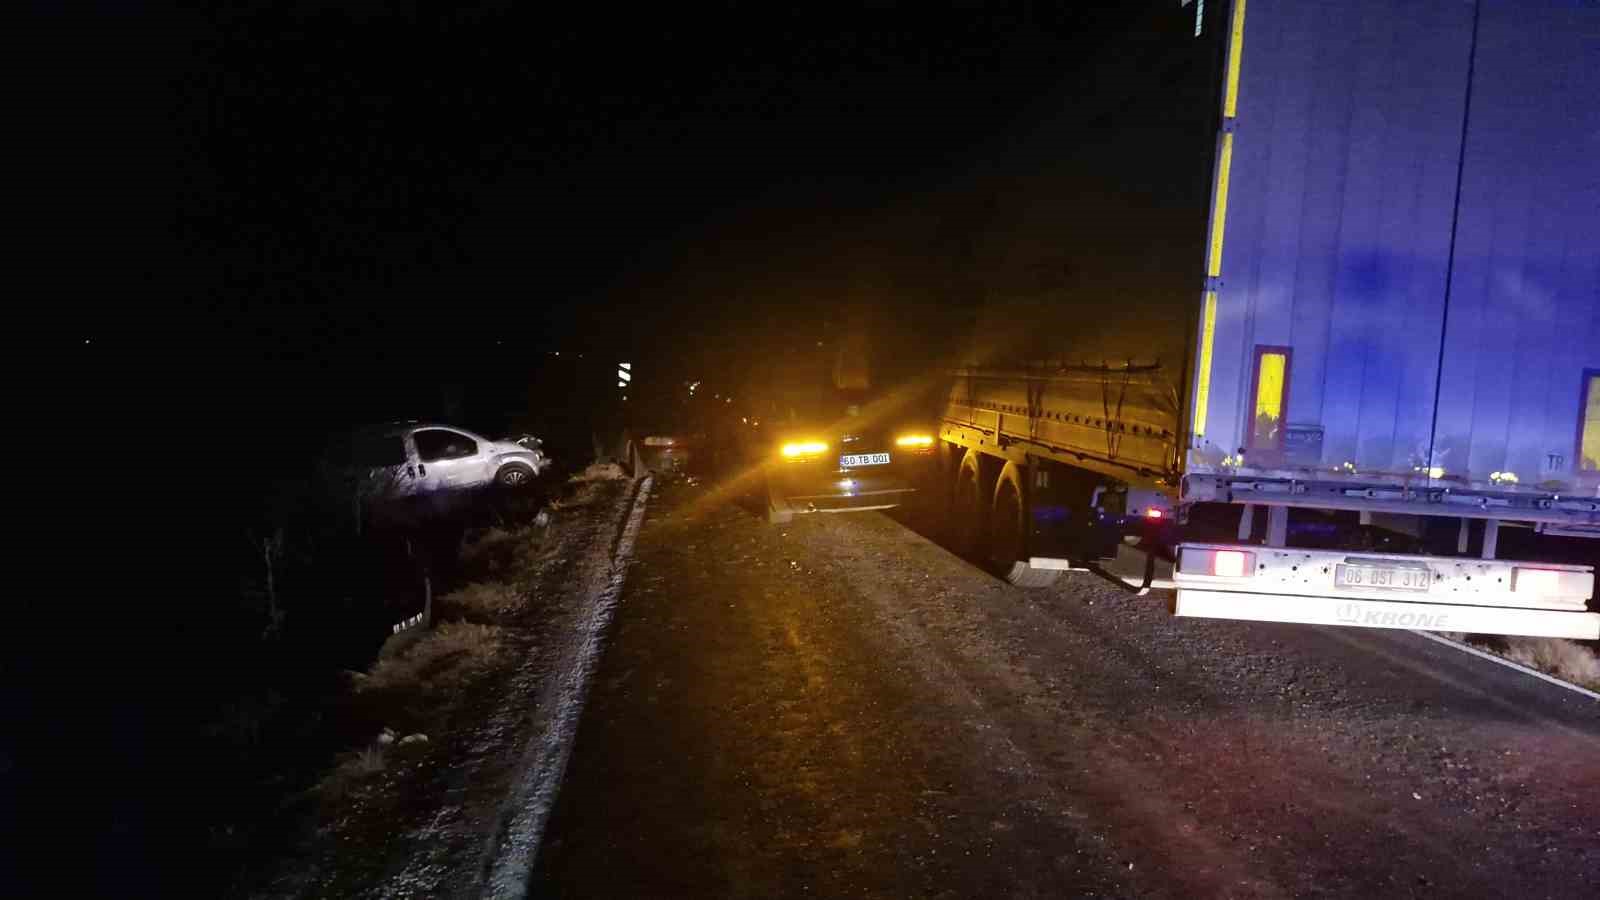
{"x":1402,"y":272}
{"x":1522,"y":334}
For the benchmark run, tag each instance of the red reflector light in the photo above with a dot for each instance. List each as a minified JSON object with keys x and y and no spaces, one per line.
{"x":1228,"y":564}
{"x":1536,"y":581}
{"x":1152,"y":513}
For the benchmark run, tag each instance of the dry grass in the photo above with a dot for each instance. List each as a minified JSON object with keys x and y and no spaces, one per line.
{"x":498,"y":551}
{"x":369,"y":761}
{"x":607,"y":471}
{"x":482,"y":601}
{"x":436,"y":661}
{"x":442,"y":658}
{"x":354,"y":768}
{"x":1564,"y":659}
{"x":582,"y":496}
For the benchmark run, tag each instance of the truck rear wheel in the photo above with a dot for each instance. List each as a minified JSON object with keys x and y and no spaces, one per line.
{"x":968,"y":511}
{"x":1008,"y":543}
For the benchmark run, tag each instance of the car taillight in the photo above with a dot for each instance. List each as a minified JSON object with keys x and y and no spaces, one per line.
{"x":1152,"y":513}
{"x":803,"y":449}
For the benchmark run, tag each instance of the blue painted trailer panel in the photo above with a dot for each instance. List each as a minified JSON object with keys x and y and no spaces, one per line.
{"x":1524,"y":316}
{"x":1349,"y":255}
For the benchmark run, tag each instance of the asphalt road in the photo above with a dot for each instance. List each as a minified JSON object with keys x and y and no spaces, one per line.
{"x":841,"y":707}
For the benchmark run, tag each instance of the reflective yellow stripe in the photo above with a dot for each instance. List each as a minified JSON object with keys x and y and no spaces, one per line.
{"x":1235,"y":48}
{"x":1589,"y":446}
{"x":1202,"y":388}
{"x":1219,"y":207}
{"x":1219,"y":218}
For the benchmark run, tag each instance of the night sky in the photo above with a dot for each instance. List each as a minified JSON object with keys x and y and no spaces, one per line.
{"x":306,"y":175}
{"x":246,"y":230}
{"x":274,"y":221}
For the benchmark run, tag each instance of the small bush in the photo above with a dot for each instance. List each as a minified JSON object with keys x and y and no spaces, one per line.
{"x":443,"y":658}
{"x":353,"y":768}
{"x":369,"y":761}
{"x":492,"y":551}
{"x":1564,"y":659}
{"x":481,"y":601}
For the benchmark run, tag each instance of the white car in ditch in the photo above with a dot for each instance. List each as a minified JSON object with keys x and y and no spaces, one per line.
{"x":420,"y":458}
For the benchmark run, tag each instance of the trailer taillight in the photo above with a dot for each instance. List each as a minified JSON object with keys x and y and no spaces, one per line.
{"x":1218,"y":563}
{"x":1231,"y":563}
{"x":1536,"y":581}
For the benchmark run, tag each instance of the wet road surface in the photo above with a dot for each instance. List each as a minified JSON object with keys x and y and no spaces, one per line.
{"x":840,"y":707}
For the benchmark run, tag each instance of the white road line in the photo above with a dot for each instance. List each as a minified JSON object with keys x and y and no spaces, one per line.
{"x":1467,"y":648}
{"x":545,"y":763}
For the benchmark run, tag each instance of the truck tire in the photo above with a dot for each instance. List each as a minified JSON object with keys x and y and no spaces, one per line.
{"x":968,"y":509}
{"x":1025,"y":576}
{"x":1008,"y":542}
{"x":940,"y":489}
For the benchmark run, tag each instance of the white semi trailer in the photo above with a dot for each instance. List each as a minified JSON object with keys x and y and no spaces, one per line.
{"x":1286,"y":272}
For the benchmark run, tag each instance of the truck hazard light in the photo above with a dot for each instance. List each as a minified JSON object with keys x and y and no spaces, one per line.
{"x":1217,"y":563}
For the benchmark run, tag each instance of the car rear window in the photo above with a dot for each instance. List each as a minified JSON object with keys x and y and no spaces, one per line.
{"x":374,"y":450}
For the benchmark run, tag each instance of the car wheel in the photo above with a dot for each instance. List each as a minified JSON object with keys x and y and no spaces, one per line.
{"x":514,"y":475}
{"x":1008,"y":538}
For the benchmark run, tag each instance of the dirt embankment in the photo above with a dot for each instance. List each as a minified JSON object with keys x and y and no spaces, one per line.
{"x":438,"y":722}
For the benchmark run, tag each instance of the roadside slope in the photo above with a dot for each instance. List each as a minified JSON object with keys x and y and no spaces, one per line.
{"x":417,"y":824}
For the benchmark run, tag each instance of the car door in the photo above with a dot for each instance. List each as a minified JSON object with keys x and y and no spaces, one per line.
{"x":388,"y":464}
{"x":448,"y":459}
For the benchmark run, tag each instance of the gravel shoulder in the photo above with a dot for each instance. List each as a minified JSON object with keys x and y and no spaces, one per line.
{"x":841,"y":707}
